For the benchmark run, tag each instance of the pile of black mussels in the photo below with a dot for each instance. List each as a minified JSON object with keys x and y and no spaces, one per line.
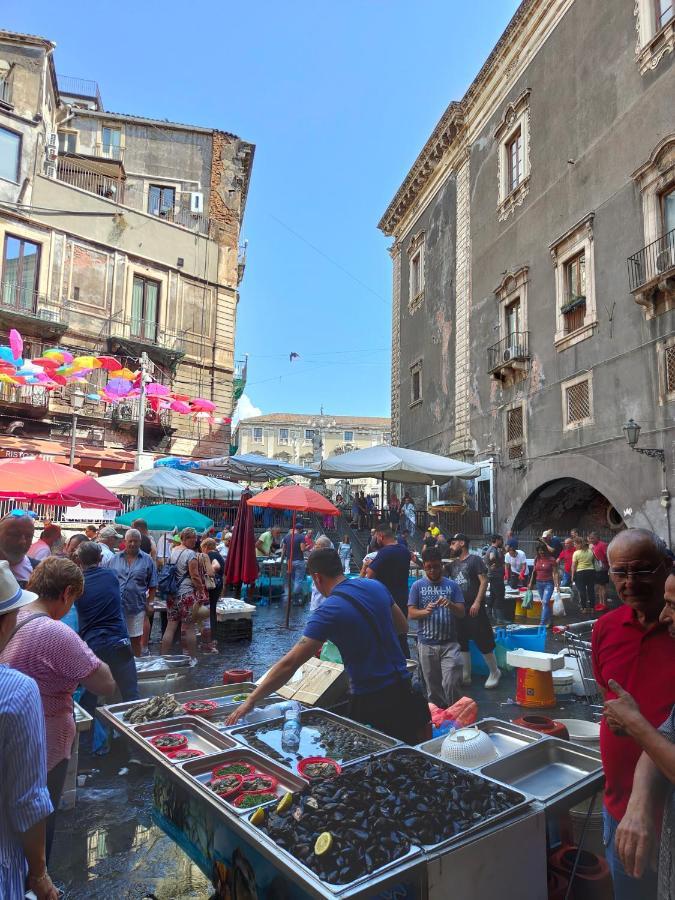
{"x":376,"y":810}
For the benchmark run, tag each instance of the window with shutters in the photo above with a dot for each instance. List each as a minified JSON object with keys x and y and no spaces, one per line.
{"x":577,"y":398}
{"x":416,"y":383}
{"x":257,"y":435}
{"x":515,"y":433}
{"x":666,"y":363}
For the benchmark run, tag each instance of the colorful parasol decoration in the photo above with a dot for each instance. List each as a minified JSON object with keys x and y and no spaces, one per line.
{"x":58,"y":367}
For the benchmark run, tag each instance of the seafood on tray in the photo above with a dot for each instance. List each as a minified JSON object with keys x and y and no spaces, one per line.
{"x":164,"y":706}
{"x":375,"y":812}
{"x":169,"y":741}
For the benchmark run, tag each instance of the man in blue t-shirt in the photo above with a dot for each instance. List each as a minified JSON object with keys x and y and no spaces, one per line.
{"x":434,"y":602}
{"x":361,"y":618}
{"x":102,"y":624}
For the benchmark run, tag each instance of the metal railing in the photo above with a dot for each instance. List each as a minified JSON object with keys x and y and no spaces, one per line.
{"x":5,"y":91}
{"x":28,"y":395}
{"x":515,"y":346}
{"x":109,"y":151}
{"x":146,"y":331}
{"x":655,"y":261}
{"x":79,"y":87}
{"x":93,"y":182}
{"x":17,"y":298}
{"x":184,"y":217}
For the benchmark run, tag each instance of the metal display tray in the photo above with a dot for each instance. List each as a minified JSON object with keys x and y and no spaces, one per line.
{"x":199,"y":771}
{"x":506,"y":737}
{"x":219,"y":693}
{"x":522,"y":799}
{"x":385,"y":742}
{"x":200,"y":735}
{"x":557,"y":773}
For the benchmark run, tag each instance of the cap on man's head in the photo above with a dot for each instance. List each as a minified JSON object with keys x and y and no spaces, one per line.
{"x":11,"y":595}
{"x":108,"y":532}
{"x":460,"y":536}
{"x":512,"y":543}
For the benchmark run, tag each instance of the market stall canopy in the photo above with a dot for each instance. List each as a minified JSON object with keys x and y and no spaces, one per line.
{"x":397,"y":464}
{"x":253,"y":467}
{"x":296,"y":498}
{"x":38,"y":481}
{"x":166,"y":517}
{"x":171,"y":484}
{"x":175,"y":462}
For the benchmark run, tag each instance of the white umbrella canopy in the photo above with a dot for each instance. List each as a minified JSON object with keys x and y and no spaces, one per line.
{"x":397,"y":464}
{"x":171,"y":484}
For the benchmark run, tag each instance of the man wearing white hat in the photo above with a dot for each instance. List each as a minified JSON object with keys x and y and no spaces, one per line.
{"x":24,"y":798}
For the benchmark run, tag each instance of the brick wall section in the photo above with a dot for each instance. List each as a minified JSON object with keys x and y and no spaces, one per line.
{"x":462,"y":440}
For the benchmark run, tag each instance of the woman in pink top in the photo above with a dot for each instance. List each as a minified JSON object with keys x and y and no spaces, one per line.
{"x":51,"y":653}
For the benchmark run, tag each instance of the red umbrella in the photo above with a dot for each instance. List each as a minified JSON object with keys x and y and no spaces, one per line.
{"x":36,"y":480}
{"x":298,"y":499}
{"x":241,"y":566}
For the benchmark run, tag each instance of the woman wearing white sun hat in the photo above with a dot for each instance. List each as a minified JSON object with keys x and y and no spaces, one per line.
{"x":24,"y":798}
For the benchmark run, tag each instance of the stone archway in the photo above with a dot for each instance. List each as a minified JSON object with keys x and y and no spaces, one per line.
{"x":566,"y":503}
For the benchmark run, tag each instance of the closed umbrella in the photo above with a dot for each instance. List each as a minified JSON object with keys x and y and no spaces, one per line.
{"x":241,"y":566}
{"x":166,"y":517}
{"x":38,"y":481}
{"x":297,"y":499}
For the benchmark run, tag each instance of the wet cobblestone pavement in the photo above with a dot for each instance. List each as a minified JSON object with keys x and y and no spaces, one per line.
{"x":108,"y":847}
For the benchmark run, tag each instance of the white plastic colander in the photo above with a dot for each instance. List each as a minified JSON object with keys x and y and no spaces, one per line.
{"x":468,"y":748}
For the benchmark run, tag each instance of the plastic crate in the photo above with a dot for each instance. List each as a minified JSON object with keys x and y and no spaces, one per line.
{"x":234,"y":630}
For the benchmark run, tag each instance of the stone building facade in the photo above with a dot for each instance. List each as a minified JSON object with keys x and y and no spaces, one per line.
{"x":534,"y":270}
{"x":119,"y":234}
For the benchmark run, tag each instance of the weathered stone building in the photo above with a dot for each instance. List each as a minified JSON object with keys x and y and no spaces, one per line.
{"x":534,"y":269}
{"x":119,"y":234}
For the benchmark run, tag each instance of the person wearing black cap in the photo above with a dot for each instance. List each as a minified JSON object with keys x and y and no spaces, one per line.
{"x":470,"y":573}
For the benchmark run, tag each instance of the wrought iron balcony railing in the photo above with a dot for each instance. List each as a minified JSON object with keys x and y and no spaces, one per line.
{"x":20,"y":300}
{"x":79,"y":176}
{"x":147,"y":332}
{"x":654,"y":262}
{"x":515,"y":347}
{"x":83,"y":88}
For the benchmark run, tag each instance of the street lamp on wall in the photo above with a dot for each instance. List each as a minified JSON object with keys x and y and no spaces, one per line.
{"x":77,"y":398}
{"x":632,"y":431}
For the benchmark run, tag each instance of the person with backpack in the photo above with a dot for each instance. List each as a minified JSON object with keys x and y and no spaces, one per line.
{"x":185,"y":591}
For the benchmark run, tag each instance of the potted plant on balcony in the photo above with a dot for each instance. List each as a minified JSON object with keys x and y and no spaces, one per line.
{"x":572,"y":304}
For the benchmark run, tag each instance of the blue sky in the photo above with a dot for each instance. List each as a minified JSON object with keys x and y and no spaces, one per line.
{"x":339,"y":99}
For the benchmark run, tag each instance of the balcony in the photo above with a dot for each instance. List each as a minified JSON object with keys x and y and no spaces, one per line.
{"x":509,"y":357}
{"x":651,"y":274}
{"x":84,"y":92}
{"x":131,"y":337}
{"x":125,"y":415}
{"x":26,"y":401}
{"x":97,"y":177}
{"x":28,"y":311}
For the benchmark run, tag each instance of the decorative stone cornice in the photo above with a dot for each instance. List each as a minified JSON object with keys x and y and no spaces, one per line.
{"x":415,"y":243}
{"x":584,"y":227}
{"x":649,"y":53}
{"x":442,"y":137}
{"x":512,"y":281}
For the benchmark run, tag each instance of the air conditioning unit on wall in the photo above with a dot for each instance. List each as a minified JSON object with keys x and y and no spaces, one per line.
{"x":197,"y":202}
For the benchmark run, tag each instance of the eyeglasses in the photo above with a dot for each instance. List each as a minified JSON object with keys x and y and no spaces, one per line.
{"x":638,"y":575}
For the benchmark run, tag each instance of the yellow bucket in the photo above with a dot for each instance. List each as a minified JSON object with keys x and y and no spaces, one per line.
{"x":534,"y":612}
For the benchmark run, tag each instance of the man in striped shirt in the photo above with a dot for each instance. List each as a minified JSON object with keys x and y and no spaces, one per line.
{"x":434,"y":602}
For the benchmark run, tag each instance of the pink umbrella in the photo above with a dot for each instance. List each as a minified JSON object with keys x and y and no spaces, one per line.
{"x":203,"y":405}
{"x":180,"y":407}
{"x":157,"y":390}
{"x":16,"y":343}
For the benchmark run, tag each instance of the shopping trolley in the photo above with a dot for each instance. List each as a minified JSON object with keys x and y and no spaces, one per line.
{"x":578,"y":642}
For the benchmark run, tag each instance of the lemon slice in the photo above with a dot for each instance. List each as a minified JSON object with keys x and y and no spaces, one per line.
{"x":258,"y":816}
{"x":323,"y":843}
{"x":285,"y":803}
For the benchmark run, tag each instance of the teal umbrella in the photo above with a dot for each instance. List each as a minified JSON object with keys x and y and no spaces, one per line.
{"x":166,"y":517}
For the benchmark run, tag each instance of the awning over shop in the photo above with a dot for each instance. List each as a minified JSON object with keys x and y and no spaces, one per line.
{"x":170,"y":484}
{"x":93,"y":459}
{"x":397,"y":464}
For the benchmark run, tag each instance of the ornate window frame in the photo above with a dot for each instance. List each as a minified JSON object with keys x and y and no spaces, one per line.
{"x":512,"y":286}
{"x":416,"y":251}
{"x":652,"y":44}
{"x":517,"y":461}
{"x":516,"y":116}
{"x":416,"y":369}
{"x":564,"y":387}
{"x":662,"y":347}
{"x":578,"y":239}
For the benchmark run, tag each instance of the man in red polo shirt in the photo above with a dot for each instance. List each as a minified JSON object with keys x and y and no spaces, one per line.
{"x":631,"y":647}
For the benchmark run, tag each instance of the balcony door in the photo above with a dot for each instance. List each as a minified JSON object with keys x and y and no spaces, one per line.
{"x":668,"y":210}
{"x":512,"y":318}
{"x":20,"y":270}
{"x":144,"y":309}
{"x":111,"y":143}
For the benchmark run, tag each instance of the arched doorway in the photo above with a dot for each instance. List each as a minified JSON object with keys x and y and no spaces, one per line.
{"x":566,"y":503}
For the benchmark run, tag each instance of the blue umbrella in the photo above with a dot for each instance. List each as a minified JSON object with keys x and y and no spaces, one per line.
{"x":166,"y":517}
{"x":175,"y":462}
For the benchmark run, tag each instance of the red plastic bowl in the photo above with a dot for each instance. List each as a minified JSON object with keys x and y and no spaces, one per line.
{"x":225,"y":795}
{"x":263,"y":796}
{"x":270,"y":779}
{"x":200,"y":707}
{"x":317,"y":759}
{"x":180,"y":738}
{"x":184,"y":753}
{"x":215,"y":773}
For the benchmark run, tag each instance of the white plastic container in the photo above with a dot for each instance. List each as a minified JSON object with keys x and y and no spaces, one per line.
{"x":533,"y":659}
{"x":563,"y":684}
{"x":583,"y":732}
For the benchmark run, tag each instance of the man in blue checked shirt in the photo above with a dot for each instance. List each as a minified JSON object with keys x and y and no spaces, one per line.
{"x":24,"y":798}
{"x":435,"y":602}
